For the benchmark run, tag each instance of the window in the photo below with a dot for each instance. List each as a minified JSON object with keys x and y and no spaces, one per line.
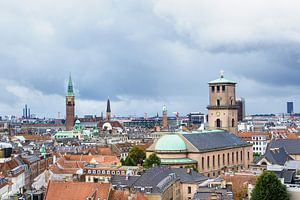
{"x":218,"y":88}
{"x":218,"y":160}
{"x":189,"y":190}
{"x":213,"y":88}
{"x":223,"y":88}
{"x":227,"y":158}
{"x":218,"y":123}
{"x":232,"y":157}
{"x":218,"y":102}
{"x":232,"y":122}
{"x":237,"y":157}
{"x":248,"y":155}
{"x":223,"y":159}
{"x":213,"y":161}
{"x":207,"y":161}
{"x":202,"y":163}
{"x":241,"y":155}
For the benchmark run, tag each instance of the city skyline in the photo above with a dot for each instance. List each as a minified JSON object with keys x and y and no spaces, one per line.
{"x":144,"y":55}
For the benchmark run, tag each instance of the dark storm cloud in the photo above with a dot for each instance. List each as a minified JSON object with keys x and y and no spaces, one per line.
{"x":160,"y":50}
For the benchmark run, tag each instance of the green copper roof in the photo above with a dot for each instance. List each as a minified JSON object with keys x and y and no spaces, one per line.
{"x":221,"y":80}
{"x":169,"y":161}
{"x":70,"y":91}
{"x":170,"y":143}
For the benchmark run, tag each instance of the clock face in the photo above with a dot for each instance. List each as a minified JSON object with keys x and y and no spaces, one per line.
{"x":218,"y":114}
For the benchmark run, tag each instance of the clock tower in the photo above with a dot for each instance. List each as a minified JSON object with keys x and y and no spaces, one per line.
{"x":70,"y":106}
{"x":222,"y":108}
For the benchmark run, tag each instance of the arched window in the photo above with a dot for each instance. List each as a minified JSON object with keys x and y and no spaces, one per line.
{"x":213,"y":161}
{"x":218,"y":123}
{"x":241,"y":156}
{"x":218,"y":102}
{"x":202,"y":163}
{"x":207,"y":162}
{"x":232,"y":122}
{"x":218,"y":160}
{"x":223,"y":159}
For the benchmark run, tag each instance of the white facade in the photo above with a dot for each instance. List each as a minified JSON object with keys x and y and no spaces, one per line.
{"x":259,"y":143}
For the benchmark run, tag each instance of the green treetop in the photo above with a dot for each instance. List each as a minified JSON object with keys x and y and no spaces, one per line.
{"x":269,"y":187}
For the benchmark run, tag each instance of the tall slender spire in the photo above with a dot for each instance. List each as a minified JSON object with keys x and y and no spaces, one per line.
{"x":70,"y":91}
{"x":108,"y":106}
{"x":108,"y":110}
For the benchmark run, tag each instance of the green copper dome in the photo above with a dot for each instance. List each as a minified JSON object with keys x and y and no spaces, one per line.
{"x":170,"y":143}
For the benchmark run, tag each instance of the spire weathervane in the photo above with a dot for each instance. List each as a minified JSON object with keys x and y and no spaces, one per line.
{"x":222,"y":73}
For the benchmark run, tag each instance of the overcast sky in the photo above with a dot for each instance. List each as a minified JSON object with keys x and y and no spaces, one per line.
{"x":147,"y":53}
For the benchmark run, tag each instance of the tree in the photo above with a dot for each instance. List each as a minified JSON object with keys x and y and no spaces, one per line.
{"x":152,"y":160}
{"x":137,"y":154}
{"x":128,"y":161}
{"x":269,"y":187}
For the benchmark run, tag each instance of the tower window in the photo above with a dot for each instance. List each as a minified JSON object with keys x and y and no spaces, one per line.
{"x":218,"y":102}
{"x":213,"y":88}
{"x":223,"y":88}
{"x":232,"y":122}
{"x":218,"y":123}
{"x":218,"y":88}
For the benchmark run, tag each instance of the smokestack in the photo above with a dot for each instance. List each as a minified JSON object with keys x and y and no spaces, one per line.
{"x":28,"y":112}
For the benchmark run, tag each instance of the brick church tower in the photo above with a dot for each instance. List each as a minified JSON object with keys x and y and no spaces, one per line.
{"x":222,"y":108}
{"x":70,"y":106}
{"x":164,"y":118}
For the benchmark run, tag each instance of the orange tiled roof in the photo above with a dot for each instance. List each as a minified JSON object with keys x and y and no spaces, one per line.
{"x":77,"y":190}
{"x":103,"y":160}
{"x":123,"y":195}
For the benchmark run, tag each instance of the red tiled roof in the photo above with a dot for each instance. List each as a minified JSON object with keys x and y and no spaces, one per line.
{"x":77,"y":190}
{"x":123,"y":195}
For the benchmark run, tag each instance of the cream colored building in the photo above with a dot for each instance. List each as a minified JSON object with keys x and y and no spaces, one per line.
{"x":222,"y":108}
{"x":210,"y":152}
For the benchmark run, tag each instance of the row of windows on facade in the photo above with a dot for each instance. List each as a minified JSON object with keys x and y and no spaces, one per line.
{"x":108,"y":172}
{"x":218,"y":102}
{"x":218,"y":88}
{"x":259,"y":148}
{"x":228,"y":159}
{"x":258,"y":143}
{"x":219,"y":123}
{"x":258,"y":138}
{"x":219,"y":173}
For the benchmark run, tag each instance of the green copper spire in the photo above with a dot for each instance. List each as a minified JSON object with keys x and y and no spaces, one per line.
{"x":70,"y":87}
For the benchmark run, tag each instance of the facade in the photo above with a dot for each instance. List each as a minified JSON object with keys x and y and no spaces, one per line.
{"x":210,"y":152}
{"x":70,"y":106}
{"x":222,"y":108}
{"x":97,"y":173}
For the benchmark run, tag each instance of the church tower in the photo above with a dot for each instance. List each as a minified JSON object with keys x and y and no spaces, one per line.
{"x":108,"y":111}
{"x":70,"y":106}
{"x":164,"y":118}
{"x":222,"y":108}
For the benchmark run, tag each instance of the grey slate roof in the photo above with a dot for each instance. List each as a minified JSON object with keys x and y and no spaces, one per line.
{"x":287,"y":175}
{"x":214,"y":140}
{"x":291,"y":146}
{"x":190,"y":177}
{"x":157,"y":179}
{"x":276,"y":156}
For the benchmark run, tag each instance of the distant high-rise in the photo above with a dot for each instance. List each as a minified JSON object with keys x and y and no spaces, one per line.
{"x":222,"y":108}
{"x":70,"y":106}
{"x":26,"y":112}
{"x":290,"y":107}
{"x":108,"y":111}
{"x":241,"y":109}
